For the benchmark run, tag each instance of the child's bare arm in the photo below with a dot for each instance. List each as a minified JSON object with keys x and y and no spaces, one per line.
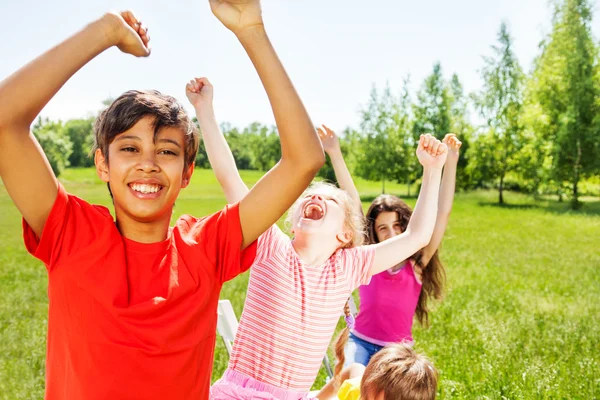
{"x":301,"y":151}
{"x":432,"y":155}
{"x":446,"y":197}
{"x":331,"y":145}
{"x":24,"y":168}
{"x":199,"y":92}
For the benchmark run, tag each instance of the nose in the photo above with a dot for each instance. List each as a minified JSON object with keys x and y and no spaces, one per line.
{"x":317,"y":197}
{"x":148,"y":164}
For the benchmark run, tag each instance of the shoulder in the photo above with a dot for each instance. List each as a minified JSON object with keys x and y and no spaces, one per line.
{"x":194,"y":228}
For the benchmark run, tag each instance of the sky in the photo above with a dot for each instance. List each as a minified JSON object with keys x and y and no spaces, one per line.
{"x":333,"y":50}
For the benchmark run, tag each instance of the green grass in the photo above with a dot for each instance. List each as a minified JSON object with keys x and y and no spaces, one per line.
{"x":521,"y":319}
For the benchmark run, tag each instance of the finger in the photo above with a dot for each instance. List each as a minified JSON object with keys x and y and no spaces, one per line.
{"x":129,"y":17}
{"x":188,"y":87}
{"x":320,"y":132}
{"x":192,"y":86}
{"x":434,"y":147}
{"x":428,"y":141}
{"x":421,"y":144}
{"x":329,"y":130}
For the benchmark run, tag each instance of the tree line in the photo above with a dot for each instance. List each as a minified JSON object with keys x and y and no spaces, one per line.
{"x":536,"y":132}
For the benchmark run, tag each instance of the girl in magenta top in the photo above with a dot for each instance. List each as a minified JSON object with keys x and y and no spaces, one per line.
{"x":393,"y":297}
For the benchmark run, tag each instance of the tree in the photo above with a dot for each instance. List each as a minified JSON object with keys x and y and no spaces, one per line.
{"x":500,"y":103}
{"x":565,"y":91}
{"x":432,"y":112}
{"x":381,"y":154}
{"x":81,"y":135}
{"x":265,"y":145}
{"x":240,"y":145}
{"x":54,"y":142}
{"x":462,"y":128}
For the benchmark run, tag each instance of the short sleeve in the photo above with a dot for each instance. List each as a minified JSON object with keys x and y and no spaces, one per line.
{"x":357,"y":261}
{"x":71,"y":225}
{"x":220,"y":237}
{"x":273,"y":241}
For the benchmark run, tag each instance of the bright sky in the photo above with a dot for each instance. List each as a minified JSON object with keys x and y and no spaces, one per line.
{"x":334,"y":50}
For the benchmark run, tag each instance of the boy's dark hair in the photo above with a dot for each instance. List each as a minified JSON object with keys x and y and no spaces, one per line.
{"x":134,"y":105}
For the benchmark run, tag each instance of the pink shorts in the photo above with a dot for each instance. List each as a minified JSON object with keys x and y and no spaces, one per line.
{"x":236,"y":386}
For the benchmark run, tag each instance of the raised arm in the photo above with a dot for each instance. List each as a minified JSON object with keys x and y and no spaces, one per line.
{"x":24,"y":168}
{"x":446,"y":197}
{"x":432,"y":156}
{"x":301,"y":151}
{"x":331,"y":145}
{"x":199,"y":92}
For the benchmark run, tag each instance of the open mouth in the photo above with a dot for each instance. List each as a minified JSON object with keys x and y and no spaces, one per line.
{"x":145,"y":188}
{"x":313,"y":211}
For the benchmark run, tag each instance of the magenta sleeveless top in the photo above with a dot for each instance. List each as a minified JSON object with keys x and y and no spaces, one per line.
{"x":387,"y":307}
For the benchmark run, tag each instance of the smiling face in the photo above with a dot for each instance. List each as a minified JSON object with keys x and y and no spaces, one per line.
{"x":327,"y":211}
{"x":145,"y":171}
{"x":387,"y":225}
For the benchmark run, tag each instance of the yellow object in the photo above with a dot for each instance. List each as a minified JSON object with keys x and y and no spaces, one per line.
{"x":350,"y":389}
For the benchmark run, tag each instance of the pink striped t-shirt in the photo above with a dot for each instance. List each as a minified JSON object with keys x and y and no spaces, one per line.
{"x":292,"y":309}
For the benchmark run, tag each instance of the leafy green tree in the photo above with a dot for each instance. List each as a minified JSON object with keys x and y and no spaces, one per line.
{"x":433,"y":109}
{"x":381,"y":155}
{"x":54,"y":142}
{"x":499,"y":103}
{"x":264,"y":144}
{"x":81,"y":135}
{"x":462,"y":128}
{"x":565,"y":92}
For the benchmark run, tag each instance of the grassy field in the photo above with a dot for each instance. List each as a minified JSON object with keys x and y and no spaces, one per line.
{"x":521,"y":319}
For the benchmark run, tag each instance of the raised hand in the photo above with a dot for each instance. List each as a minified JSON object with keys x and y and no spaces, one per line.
{"x":329,"y":139}
{"x":199,"y":92}
{"x":128,"y":33}
{"x":237,"y":15}
{"x":431,"y":152}
{"x":453,"y":146}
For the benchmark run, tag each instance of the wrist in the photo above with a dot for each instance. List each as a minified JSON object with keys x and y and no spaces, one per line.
{"x":110,"y":26}
{"x":334,"y":152}
{"x":432,"y":169}
{"x":204,"y":109}
{"x":250,"y":33}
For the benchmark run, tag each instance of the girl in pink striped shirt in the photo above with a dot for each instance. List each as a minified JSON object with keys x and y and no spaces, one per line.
{"x":298,"y":286}
{"x":389,"y":303}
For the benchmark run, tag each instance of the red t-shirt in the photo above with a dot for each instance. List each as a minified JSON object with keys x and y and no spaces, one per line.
{"x":129,"y":320}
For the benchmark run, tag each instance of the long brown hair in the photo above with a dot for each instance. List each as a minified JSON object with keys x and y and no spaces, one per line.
{"x":433,"y":274}
{"x":400,"y":373}
{"x":339,"y":345}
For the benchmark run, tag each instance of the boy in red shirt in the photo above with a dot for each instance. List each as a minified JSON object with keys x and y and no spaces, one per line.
{"x":132,"y":304}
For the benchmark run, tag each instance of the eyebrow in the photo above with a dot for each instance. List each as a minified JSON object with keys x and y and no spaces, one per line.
{"x":137,"y":138}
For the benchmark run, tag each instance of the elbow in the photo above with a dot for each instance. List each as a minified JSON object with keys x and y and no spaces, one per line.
{"x":317,"y":162}
{"x":310,"y":162}
{"x":421,"y":237}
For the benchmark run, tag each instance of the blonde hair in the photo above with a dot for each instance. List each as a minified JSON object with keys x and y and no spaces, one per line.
{"x":400,"y":373}
{"x":353,"y":220}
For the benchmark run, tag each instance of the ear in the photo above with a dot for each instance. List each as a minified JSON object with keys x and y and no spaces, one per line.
{"x":344,"y":237}
{"x":101,"y":165}
{"x":187,"y":175}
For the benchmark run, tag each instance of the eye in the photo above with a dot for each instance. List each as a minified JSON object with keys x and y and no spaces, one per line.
{"x":167,"y":152}
{"x":129,"y":149}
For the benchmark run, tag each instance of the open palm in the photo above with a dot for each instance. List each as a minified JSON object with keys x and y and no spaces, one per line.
{"x":237,"y":15}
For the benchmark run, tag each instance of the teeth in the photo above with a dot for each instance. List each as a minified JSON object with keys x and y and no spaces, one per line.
{"x":145,"y":188}
{"x":312,"y":207}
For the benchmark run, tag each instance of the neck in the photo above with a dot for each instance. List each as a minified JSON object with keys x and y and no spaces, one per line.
{"x":313,"y":249}
{"x":143,"y":232}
